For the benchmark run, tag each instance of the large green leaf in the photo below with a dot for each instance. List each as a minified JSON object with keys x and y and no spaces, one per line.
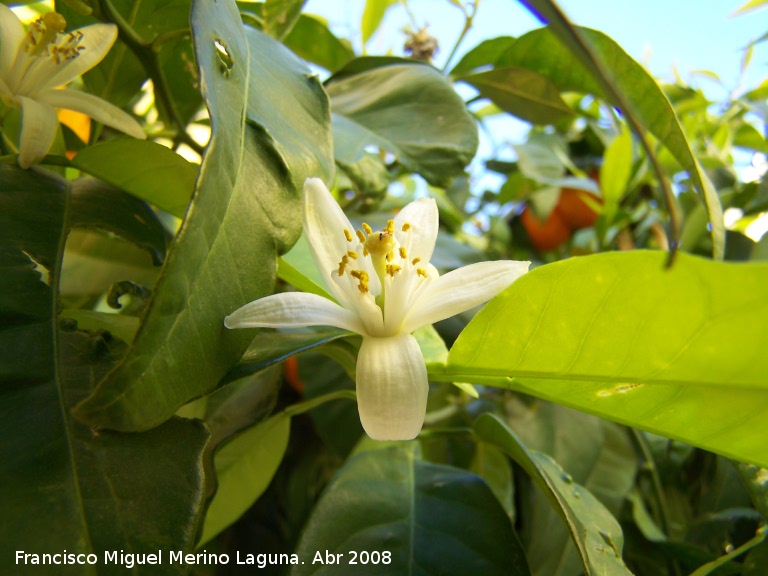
{"x":585,"y":60}
{"x":677,"y":352}
{"x":270,"y":131}
{"x":66,"y":485}
{"x":430,"y":519}
{"x":408,"y":109}
{"x":596,"y":533}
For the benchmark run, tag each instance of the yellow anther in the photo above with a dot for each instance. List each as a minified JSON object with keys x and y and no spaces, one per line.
{"x":421,"y":272}
{"x":352,"y":254}
{"x":342,"y":267}
{"x":348,"y":235}
{"x":393,"y":269}
{"x":403,"y":253}
{"x":360,"y":236}
{"x":362,"y":277}
{"x":406,"y":227}
{"x":415,"y":261}
{"x":368,"y":229}
{"x":345,"y":259}
{"x":365,"y":251}
{"x":390,"y":256}
{"x":390,"y":227}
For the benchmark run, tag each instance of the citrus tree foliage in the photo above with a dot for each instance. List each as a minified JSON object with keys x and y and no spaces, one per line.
{"x":605,"y":414}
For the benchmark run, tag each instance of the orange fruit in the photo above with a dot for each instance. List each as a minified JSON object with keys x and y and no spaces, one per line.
{"x":545,"y":235}
{"x":574,"y":210}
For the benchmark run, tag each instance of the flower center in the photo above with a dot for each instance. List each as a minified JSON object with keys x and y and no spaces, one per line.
{"x":45,"y":38}
{"x":388,"y":259}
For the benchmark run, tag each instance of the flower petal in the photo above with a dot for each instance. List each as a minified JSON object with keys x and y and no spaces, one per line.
{"x":11,"y":36}
{"x":460,"y":290}
{"x":324,"y":225}
{"x":421,"y":236}
{"x":291,"y":310}
{"x":392,"y":387}
{"x":97,"y":40}
{"x":38,"y":130}
{"x":98,"y":109}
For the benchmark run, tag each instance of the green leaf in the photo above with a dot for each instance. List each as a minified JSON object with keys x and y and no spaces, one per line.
{"x":598,"y":455}
{"x":143,"y":168}
{"x":522,"y":92}
{"x":96,"y":204}
{"x":313,"y":41}
{"x":755,"y":479}
{"x":280,"y":16}
{"x":676,"y":352}
{"x":492,"y":465}
{"x":120,"y":325}
{"x":269,"y":348}
{"x":270,"y":131}
{"x":585,"y":60}
{"x":596,"y":533}
{"x":484,"y":54}
{"x":94,"y":261}
{"x":410,"y":110}
{"x":298,"y":268}
{"x":616,"y":171}
{"x":246,"y":464}
{"x":244,"y":468}
{"x":389,"y":501}
{"x":749,"y":6}
{"x":710,"y":567}
{"x":373,"y":14}
{"x":70,"y":485}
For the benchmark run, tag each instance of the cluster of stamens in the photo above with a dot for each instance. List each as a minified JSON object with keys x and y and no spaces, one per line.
{"x":45,"y":37}
{"x":383,"y":248}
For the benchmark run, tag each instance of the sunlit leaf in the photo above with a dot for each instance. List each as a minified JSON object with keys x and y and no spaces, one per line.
{"x":676,"y":352}
{"x":616,"y":171}
{"x":373,"y":14}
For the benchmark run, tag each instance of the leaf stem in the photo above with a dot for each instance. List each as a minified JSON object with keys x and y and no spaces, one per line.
{"x":467,"y":27}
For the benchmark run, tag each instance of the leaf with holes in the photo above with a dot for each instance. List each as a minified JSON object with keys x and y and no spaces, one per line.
{"x":270,"y":131}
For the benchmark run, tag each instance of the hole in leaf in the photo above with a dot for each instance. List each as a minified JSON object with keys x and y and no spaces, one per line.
{"x":226,"y":61}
